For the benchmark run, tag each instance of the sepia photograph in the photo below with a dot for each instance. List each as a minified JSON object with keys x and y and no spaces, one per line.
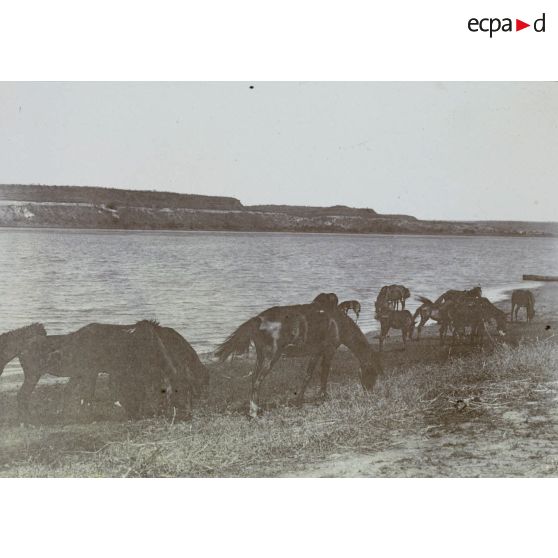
{"x":278,"y":279}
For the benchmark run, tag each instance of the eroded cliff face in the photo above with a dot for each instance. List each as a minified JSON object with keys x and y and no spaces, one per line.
{"x":90,"y":216}
{"x":110,"y":208}
{"x":94,"y":195}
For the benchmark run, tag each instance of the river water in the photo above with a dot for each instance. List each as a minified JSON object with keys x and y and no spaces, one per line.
{"x":204,"y":284}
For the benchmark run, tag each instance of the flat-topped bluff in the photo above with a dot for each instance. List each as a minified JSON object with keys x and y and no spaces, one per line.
{"x":114,"y":197}
{"x":87,"y":207}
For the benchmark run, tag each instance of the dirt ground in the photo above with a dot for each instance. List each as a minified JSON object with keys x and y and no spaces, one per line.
{"x":437,"y":412}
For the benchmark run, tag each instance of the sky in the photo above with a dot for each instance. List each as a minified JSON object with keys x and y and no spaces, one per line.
{"x":472,"y":150}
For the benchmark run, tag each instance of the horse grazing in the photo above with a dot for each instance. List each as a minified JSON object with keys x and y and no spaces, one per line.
{"x":523,"y":298}
{"x":14,"y":342}
{"x":452,"y":294}
{"x":192,"y":378}
{"x":347,"y":305}
{"x":474,"y":313}
{"x":395,"y":319}
{"x":135,"y":357}
{"x":392,"y":295}
{"x":300,"y":331}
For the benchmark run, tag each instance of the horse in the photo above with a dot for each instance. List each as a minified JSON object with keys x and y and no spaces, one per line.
{"x":135,"y":357}
{"x":395,"y":319}
{"x":475,"y":292}
{"x":347,"y":305}
{"x":428,"y":310}
{"x":392,"y":295}
{"x":328,"y":301}
{"x":474,"y":313}
{"x":523,"y":298}
{"x":305,"y":330}
{"x":14,"y":342}
{"x":193,"y":378}
{"x":462,"y":313}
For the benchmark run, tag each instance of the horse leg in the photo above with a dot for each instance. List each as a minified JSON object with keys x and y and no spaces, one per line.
{"x":324,"y":372}
{"x":29,"y":383}
{"x":263,"y":368}
{"x":114,"y":390}
{"x":69,"y":391}
{"x":309,"y":373}
{"x":88,"y":392}
{"x":410,"y":331}
{"x":511,"y":316}
{"x":443,"y":330}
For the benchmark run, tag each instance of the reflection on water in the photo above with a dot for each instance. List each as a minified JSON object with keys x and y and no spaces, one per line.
{"x":205,"y":284}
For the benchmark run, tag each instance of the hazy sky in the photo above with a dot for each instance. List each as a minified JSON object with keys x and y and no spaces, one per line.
{"x":433,"y":150}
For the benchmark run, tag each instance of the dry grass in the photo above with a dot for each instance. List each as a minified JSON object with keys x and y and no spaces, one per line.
{"x":409,"y":402}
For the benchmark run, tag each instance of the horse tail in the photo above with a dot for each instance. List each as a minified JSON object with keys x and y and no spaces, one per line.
{"x":238,"y":342}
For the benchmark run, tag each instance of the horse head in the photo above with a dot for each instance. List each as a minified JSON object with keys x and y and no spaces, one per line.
{"x":383,"y":311}
{"x":327,"y":300}
{"x":475,"y":292}
{"x":370,"y":369}
{"x":14,"y":342}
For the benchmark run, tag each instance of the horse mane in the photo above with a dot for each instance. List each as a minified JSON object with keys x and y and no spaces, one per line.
{"x":24,"y":329}
{"x":152,"y":322}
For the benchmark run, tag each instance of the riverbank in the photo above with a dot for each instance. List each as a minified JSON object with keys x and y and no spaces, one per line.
{"x":435,"y":412}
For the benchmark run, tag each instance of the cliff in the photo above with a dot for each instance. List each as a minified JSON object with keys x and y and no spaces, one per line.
{"x":109,"y":208}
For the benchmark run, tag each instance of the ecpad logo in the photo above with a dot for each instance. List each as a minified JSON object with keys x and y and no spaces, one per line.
{"x":494,"y":24}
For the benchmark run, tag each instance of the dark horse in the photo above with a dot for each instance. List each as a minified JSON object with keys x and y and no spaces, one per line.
{"x":328,"y":301}
{"x":353,"y":305}
{"x":14,"y":342}
{"x":136,"y":357}
{"x":300,"y":331}
{"x":429,"y":310}
{"x":523,"y":298}
{"x":436,"y":310}
{"x":475,"y":292}
{"x":395,"y":319}
{"x":392,"y":295}
{"x":192,"y":379}
{"x":474,"y":313}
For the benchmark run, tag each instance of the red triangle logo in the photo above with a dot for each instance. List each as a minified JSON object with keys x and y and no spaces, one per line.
{"x":519,"y":25}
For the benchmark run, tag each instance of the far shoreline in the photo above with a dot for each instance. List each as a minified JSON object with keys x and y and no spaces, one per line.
{"x":277,"y":232}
